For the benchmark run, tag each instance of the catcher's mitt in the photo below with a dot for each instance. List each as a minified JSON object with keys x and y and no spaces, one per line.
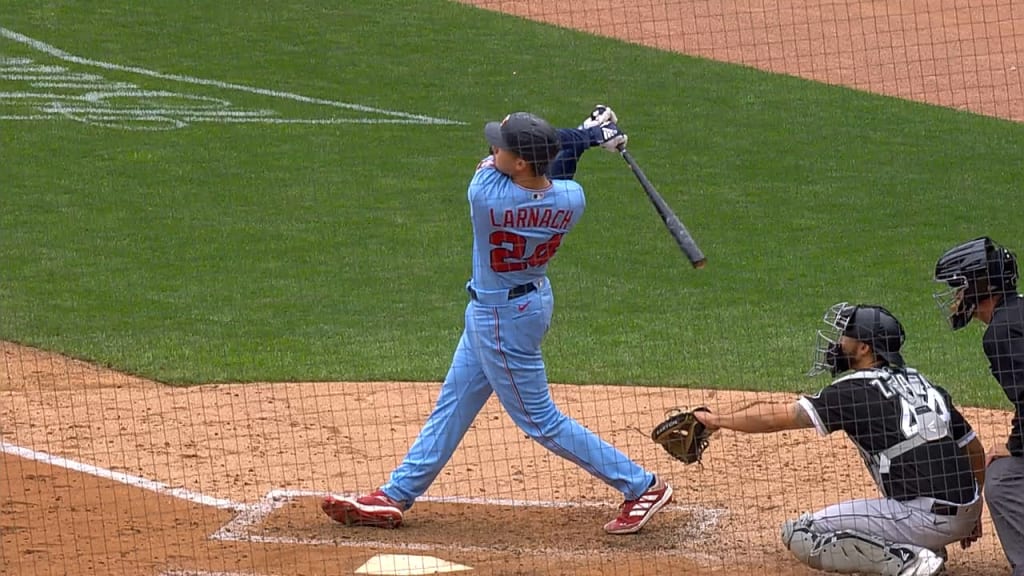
{"x":682,"y":435}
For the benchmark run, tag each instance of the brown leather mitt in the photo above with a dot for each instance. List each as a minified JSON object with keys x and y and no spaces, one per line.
{"x":682,"y":435}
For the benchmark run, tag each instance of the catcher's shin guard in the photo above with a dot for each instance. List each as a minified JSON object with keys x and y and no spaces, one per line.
{"x":849,"y":552}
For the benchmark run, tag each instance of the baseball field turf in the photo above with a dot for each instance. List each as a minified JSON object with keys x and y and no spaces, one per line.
{"x":316,"y":226}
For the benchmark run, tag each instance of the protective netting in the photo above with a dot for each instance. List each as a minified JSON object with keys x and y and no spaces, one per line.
{"x":102,"y":472}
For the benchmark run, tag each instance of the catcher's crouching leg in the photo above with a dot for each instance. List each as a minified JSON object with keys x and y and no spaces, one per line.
{"x":848,"y":552}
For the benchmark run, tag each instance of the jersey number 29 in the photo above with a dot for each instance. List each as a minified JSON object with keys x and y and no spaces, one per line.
{"x":510,"y":249}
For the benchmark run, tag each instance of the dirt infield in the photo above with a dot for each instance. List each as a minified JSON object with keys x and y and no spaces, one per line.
{"x":968,"y":56}
{"x":178,"y":481}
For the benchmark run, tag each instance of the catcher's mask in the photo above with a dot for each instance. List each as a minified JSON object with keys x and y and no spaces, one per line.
{"x":872,"y":325}
{"x":972,"y":272}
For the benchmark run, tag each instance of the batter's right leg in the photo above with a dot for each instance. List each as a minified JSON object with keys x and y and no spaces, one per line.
{"x":463,"y":394}
{"x":1004,"y":492}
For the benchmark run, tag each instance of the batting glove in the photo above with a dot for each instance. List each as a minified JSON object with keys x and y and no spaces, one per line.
{"x":601,"y":114}
{"x":610,"y":137}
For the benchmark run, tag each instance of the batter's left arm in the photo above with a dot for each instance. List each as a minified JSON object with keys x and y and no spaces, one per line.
{"x":574,"y":143}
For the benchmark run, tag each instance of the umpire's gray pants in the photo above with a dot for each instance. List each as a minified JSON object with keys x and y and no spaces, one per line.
{"x":1004,"y":492}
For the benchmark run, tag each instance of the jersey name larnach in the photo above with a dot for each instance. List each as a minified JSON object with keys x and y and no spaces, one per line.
{"x":533,"y":218}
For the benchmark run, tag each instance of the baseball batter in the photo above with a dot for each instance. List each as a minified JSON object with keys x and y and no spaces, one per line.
{"x":924,"y":457}
{"x":523,"y":202}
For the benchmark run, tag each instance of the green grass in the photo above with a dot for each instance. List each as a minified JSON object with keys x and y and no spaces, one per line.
{"x":262,"y":252}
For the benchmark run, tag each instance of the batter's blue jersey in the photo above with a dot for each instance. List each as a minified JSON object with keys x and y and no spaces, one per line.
{"x":516,"y":231}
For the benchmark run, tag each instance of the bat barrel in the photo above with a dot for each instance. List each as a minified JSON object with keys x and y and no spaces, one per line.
{"x":668,"y":216}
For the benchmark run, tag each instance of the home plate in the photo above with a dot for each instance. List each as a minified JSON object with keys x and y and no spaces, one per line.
{"x":404,"y":565}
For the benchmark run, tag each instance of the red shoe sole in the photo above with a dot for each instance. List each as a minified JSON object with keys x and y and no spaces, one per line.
{"x":633,"y":529}
{"x":349,"y":513}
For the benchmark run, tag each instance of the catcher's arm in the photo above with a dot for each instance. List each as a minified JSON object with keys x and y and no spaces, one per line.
{"x":759,"y":418}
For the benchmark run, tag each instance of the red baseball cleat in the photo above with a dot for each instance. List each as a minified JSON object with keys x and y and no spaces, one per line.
{"x":377,"y":510}
{"x":634,"y":514}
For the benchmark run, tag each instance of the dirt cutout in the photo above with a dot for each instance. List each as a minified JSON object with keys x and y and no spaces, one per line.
{"x":963,"y":55}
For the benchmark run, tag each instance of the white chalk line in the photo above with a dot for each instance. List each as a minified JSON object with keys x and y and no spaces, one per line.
{"x":83,"y":85}
{"x":222,"y":120}
{"x":121,"y":477}
{"x":207,"y":573}
{"x":249,"y":515}
{"x":68,"y":57}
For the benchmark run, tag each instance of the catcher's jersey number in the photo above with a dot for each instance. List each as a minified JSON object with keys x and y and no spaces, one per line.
{"x":510,"y":248}
{"x":919,"y":401}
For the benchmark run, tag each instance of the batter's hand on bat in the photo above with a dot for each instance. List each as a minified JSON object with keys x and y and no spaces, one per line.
{"x":612,"y":138}
{"x":601,"y":114}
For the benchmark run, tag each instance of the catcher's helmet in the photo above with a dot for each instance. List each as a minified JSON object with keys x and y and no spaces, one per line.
{"x":973,"y":271}
{"x":872,"y":325}
{"x":530,"y":137}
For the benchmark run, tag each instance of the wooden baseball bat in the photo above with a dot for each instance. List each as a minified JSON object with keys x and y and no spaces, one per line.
{"x":672,"y":222}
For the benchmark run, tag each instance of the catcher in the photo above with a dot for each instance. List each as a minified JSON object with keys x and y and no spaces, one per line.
{"x":924,"y":457}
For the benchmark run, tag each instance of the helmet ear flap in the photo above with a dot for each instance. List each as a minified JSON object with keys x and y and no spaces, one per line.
{"x":999,"y":275}
{"x":1005,"y":264}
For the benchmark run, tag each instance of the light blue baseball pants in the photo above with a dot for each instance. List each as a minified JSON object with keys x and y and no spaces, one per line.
{"x":500,"y":352}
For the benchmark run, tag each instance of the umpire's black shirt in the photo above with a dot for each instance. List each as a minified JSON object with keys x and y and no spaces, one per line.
{"x":1004,"y":346}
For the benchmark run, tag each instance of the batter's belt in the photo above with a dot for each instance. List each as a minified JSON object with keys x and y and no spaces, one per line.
{"x":501,"y":296}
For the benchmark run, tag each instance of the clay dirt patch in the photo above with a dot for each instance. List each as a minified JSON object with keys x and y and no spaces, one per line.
{"x":497,"y":538}
{"x":240,"y":444}
{"x":962,"y":55}
{"x":569,"y":532}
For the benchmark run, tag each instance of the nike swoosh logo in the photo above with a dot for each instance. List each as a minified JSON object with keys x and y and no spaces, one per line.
{"x":523,"y":306}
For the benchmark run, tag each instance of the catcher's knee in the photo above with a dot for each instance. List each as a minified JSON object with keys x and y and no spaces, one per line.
{"x":846,"y":551}
{"x":798,"y":537}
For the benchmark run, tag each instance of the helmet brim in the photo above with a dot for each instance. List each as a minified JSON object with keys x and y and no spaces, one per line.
{"x":492,"y":132}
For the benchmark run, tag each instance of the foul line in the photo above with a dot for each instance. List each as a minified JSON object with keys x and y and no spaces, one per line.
{"x":67,"y":57}
{"x":129,"y":479}
{"x":705,"y":519}
{"x":205,"y":573}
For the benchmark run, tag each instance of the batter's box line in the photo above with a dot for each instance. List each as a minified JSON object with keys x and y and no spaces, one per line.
{"x":705,"y":520}
{"x":248,"y":515}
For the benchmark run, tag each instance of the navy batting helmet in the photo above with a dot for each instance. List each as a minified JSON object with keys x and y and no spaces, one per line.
{"x":528,"y":136}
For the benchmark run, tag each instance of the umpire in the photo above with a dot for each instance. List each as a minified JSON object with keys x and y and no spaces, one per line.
{"x":981,"y":280}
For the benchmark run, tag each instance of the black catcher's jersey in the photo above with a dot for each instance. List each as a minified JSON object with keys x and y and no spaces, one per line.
{"x":1004,"y":347}
{"x":908,"y":432}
